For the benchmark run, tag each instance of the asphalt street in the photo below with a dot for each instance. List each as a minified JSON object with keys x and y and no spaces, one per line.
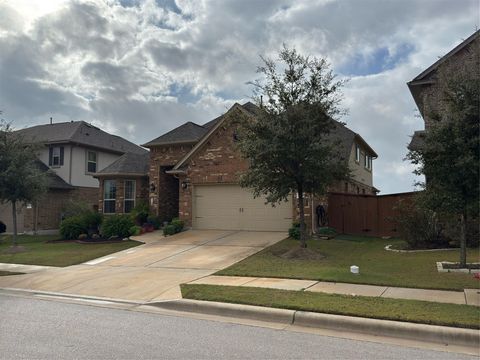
{"x":32,"y":328}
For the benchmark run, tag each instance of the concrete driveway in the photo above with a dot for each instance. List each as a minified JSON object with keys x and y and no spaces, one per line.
{"x":152,"y":271}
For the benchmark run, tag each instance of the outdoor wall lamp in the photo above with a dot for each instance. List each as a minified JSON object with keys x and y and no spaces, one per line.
{"x":152,"y":187}
{"x":185,"y":184}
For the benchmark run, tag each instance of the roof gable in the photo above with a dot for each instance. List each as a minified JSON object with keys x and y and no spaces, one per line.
{"x":185,"y":133}
{"x":127,"y":164}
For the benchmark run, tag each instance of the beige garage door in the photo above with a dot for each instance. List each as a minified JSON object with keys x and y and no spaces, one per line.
{"x":234,"y":208}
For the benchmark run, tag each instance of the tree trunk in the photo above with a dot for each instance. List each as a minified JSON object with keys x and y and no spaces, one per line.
{"x":463,"y":240}
{"x":14,"y":217}
{"x":303,"y":235}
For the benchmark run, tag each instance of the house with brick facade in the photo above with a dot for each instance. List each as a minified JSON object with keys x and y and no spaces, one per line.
{"x":193,"y":173}
{"x":424,"y":87}
{"x":72,"y":153}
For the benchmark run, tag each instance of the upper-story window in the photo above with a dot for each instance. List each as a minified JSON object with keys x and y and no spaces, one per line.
{"x":55,"y":156}
{"x":91,"y":162}
{"x":368,"y":162}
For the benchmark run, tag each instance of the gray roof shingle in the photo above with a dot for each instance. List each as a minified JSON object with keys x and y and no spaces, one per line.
{"x":54,"y":181}
{"x":79,"y":132}
{"x":127,"y":164}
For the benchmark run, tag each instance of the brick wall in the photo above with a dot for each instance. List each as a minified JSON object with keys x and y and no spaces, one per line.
{"x":47,"y":213}
{"x":166,"y":186}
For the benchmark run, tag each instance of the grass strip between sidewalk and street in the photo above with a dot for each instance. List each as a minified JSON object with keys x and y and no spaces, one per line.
{"x":424,"y":312}
{"x":38,"y":251}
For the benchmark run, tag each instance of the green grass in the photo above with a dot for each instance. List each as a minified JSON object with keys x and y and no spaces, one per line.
{"x":6,"y":273}
{"x":39,"y":252}
{"x":377,"y":266}
{"x":465,"y":316}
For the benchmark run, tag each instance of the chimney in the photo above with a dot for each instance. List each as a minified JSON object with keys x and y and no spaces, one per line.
{"x":51,"y":120}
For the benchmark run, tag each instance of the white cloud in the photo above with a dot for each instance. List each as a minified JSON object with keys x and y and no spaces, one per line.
{"x":143,"y":69}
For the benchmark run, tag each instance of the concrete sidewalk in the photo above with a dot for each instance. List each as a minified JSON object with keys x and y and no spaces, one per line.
{"x":468,"y":296}
{"x":26,"y":269}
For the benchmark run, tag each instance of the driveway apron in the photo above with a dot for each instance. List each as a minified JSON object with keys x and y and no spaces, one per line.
{"x":152,"y":271}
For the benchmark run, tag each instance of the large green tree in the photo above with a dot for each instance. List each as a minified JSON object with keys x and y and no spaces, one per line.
{"x":21,"y":180}
{"x":449,"y":157}
{"x":290,"y":144}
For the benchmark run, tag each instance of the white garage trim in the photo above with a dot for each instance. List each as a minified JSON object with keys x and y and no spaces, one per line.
{"x":231,"y":207}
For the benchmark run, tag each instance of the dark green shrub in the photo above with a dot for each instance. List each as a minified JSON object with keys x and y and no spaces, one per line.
{"x":419,"y":227}
{"x":178,"y":224}
{"x":169,"y":230}
{"x":117,"y":226}
{"x":72,"y":227}
{"x":3,"y":227}
{"x":92,"y":220}
{"x":294,"y":231}
{"x":327,"y":231}
{"x":139,"y":213}
{"x":155,"y":221}
{"x":135,"y":230}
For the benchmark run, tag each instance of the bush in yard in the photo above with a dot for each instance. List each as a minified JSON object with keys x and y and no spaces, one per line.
{"x":155,"y":221}
{"x":92,"y":221}
{"x":117,"y":226}
{"x":135,"y":230}
{"x":419,"y":226}
{"x":328,"y":231}
{"x":179,"y":224}
{"x":294,"y":231}
{"x":140,"y":213}
{"x":169,"y":230}
{"x":72,"y":227}
{"x":3,"y":227}
{"x":75,"y":208}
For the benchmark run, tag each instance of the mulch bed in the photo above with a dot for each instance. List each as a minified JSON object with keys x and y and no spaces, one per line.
{"x":89,"y":241}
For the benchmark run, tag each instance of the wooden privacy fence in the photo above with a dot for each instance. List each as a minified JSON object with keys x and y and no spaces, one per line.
{"x":364,"y":214}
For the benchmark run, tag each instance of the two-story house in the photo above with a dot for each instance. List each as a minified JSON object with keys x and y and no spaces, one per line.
{"x":74,"y":152}
{"x":193,"y":172}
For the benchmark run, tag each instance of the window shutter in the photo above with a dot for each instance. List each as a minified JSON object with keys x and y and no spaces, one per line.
{"x":50,"y":156}
{"x":61,"y":155}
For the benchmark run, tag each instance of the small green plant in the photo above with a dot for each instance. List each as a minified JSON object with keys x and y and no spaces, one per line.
{"x":72,"y":227}
{"x":140,"y":213}
{"x":294,"y":231}
{"x":169,"y":230}
{"x":155,"y":221}
{"x":135,"y":230}
{"x":327,"y":231}
{"x":117,"y":226}
{"x":179,"y":224}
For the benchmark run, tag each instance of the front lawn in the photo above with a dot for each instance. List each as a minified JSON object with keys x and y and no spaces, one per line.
{"x":377,"y":266}
{"x":39,"y":252}
{"x":372,"y":307}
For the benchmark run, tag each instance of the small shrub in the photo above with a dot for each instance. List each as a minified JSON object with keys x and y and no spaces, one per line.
{"x":140,"y":213}
{"x":327,"y":231}
{"x":117,"y":226}
{"x":72,"y":227}
{"x":155,"y":221}
{"x":169,"y":230}
{"x":92,"y":220}
{"x":3,"y":227}
{"x":75,"y":208}
{"x":294,"y":231}
{"x":135,"y":230}
{"x":419,"y":227}
{"x":178,"y":224}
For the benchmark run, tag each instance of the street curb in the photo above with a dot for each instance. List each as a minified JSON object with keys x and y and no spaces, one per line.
{"x":259,"y":313}
{"x":389,"y":328}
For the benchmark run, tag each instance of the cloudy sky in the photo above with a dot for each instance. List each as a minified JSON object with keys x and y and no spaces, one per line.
{"x":139,"y":68}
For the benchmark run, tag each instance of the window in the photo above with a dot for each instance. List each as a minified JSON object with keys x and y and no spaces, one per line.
{"x":109,"y":196}
{"x":55,"y":156}
{"x":368,"y":162}
{"x":357,"y":153}
{"x":91,"y":162}
{"x":129,"y":201}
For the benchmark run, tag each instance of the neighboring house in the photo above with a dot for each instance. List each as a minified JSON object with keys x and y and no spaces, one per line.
{"x":74,"y":152}
{"x":193,"y":173}
{"x":425,"y":91}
